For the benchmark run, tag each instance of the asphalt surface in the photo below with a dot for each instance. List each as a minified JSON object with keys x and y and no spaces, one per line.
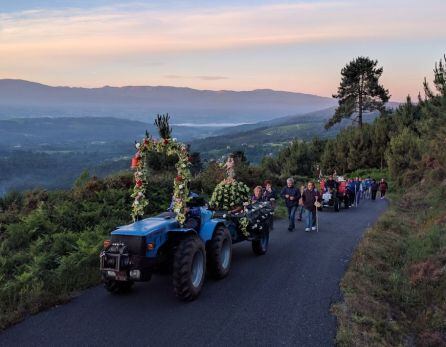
{"x":281,"y":298}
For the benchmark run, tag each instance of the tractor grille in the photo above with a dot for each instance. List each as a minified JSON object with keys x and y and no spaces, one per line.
{"x":136,"y":245}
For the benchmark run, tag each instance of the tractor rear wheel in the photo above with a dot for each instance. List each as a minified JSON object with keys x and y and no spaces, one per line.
{"x":260,"y":245}
{"x":189,"y":267}
{"x":220,"y":253}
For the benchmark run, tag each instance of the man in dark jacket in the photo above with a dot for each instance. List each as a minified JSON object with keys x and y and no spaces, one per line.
{"x":309,"y":197}
{"x":374,"y":188}
{"x":291,"y":196}
{"x":351,"y":191}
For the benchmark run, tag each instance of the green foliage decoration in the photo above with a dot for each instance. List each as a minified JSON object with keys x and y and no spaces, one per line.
{"x":228,"y":195}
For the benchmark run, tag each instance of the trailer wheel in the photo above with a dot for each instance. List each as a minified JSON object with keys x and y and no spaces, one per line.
{"x":118,"y":287}
{"x":336,"y":206}
{"x":260,"y":246}
{"x":346,"y":203}
{"x":189,"y":266}
{"x":219,"y":253}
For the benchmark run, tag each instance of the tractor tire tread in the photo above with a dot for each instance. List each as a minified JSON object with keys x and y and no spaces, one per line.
{"x":214,"y":249}
{"x":183,"y":258}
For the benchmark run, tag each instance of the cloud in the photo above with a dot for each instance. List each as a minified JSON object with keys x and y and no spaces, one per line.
{"x":174,"y":77}
{"x":278,"y":45}
{"x":112,"y":30}
{"x":211,"y":78}
{"x":203,"y":78}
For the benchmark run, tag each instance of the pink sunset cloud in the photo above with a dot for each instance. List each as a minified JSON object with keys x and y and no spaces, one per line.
{"x":98,"y":41}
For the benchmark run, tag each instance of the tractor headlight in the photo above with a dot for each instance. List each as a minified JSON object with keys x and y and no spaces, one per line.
{"x":135,"y":274}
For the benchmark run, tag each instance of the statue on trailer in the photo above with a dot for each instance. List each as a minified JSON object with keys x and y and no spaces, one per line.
{"x":230,"y":195}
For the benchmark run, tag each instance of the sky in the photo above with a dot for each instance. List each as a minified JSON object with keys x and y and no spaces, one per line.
{"x":296,"y":46}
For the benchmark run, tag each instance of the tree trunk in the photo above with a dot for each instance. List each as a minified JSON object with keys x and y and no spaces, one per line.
{"x":360,"y":101}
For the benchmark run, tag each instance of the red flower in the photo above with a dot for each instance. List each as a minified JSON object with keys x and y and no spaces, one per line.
{"x":139,"y":183}
{"x":166,"y":141}
{"x":179,"y":178}
{"x":135,"y":162}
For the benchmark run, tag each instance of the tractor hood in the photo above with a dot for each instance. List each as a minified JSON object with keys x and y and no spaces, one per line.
{"x":147,"y":226}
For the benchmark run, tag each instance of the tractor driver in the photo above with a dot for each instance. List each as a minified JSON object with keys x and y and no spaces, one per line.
{"x":193,"y":213}
{"x":331,"y":183}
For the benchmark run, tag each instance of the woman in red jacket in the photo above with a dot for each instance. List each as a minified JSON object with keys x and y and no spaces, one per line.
{"x":383,"y":186}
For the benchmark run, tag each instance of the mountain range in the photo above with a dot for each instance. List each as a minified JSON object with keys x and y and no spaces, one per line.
{"x":19,"y":98}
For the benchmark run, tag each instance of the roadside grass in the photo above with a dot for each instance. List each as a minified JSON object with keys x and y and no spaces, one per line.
{"x":394,"y":291}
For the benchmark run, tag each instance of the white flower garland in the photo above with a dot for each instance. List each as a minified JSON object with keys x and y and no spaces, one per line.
{"x":181,"y":181}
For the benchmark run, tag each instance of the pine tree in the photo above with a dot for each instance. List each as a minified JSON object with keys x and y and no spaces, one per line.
{"x":359,"y":91}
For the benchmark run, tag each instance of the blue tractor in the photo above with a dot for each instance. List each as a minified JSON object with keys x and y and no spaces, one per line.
{"x":202,"y":245}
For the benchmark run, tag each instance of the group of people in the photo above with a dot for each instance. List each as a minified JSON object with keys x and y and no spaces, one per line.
{"x":301,"y":201}
{"x":305,"y":200}
{"x":356,"y":189}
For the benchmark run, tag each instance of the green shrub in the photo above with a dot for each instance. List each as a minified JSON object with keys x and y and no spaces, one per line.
{"x":403,"y":156}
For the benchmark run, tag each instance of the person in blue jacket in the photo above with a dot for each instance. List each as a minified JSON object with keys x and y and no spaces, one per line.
{"x":357,"y":190}
{"x":291,"y":196}
{"x":351,"y":191}
{"x":367,"y":188}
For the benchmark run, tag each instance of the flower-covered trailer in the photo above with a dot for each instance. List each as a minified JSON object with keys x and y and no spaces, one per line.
{"x":190,"y":239}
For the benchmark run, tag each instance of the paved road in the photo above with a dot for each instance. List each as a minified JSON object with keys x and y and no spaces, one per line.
{"x":282,"y":298}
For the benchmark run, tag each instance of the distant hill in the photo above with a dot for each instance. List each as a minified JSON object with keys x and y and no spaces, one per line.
{"x":316,"y":116}
{"x":265,"y":138}
{"x":20,"y":98}
{"x":37,"y":133}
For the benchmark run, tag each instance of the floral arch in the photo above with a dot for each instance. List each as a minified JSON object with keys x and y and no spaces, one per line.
{"x":170,"y":146}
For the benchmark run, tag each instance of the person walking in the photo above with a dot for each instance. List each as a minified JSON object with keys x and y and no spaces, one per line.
{"x":367,"y":184}
{"x":269,"y":195}
{"x":291,"y":196}
{"x":357,"y":191}
{"x":374,"y":189}
{"x":257,"y":196}
{"x":309,"y":197}
{"x":300,"y":207}
{"x":361,"y":188}
{"x":383,"y":186}
{"x":351,"y":191}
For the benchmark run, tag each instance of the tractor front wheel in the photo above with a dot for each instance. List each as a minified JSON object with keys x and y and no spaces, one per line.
{"x":189,"y":266}
{"x":220,"y":253}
